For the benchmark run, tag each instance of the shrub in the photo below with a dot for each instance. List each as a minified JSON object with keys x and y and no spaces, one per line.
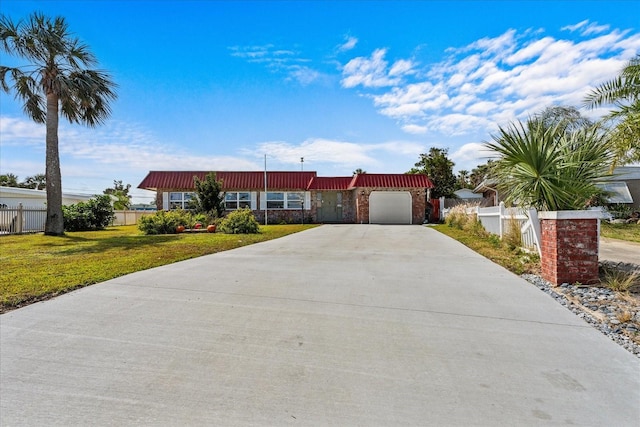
{"x":163,"y":222}
{"x":513,"y":236}
{"x":457,"y":216}
{"x":240,"y":221}
{"x":620,"y":211}
{"x":474,"y":226}
{"x":94,"y":214}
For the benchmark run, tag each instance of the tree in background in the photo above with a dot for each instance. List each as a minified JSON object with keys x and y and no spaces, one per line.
{"x":437,"y":166}
{"x":359,"y":171}
{"x":480,"y":173}
{"x":55,"y":82}
{"x":568,"y":117}
{"x":9,"y":180}
{"x":209,"y":197}
{"x":121,"y":192}
{"x":463,"y":180}
{"x":624,"y":93}
{"x":35,"y":182}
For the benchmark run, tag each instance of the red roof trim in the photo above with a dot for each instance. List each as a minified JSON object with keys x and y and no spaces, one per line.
{"x":336,"y":183}
{"x":183,"y":180}
{"x":388,"y":180}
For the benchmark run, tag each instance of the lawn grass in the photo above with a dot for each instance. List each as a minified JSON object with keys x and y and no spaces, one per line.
{"x":37,"y":267}
{"x":629,"y":232}
{"x":491,"y":247}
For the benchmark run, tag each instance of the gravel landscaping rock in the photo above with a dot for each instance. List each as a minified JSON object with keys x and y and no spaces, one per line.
{"x":614,"y":314}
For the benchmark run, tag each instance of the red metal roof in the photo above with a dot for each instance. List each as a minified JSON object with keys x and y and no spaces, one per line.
{"x":230,"y":180}
{"x":330,"y":183}
{"x":183,"y":180}
{"x":391,"y":180}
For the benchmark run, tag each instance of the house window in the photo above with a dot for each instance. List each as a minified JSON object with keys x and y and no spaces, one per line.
{"x":282,"y":200}
{"x":179,"y":200}
{"x":275,"y":200}
{"x":237,"y":200}
{"x":294,"y":200}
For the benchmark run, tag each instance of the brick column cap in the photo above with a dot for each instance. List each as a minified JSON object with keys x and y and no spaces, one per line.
{"x":595,"y":214}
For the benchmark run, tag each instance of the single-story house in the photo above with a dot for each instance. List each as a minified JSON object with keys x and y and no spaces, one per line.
{"x":24,"y":209}
{"x":489,"y":193}
{"x":624,"y":186}
{"x":13,"y":196}
{"x":304,"y":196}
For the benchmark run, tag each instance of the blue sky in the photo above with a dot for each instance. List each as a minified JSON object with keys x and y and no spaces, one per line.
{"x":216,"y":85}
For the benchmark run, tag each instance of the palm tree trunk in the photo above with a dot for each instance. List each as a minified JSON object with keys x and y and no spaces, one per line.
{"x":54,"y":225}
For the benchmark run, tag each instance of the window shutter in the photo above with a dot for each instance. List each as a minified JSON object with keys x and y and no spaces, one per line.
{"x":307,"y":200}
{"x":254,"y":200}
{"x":263,"y":200}
{"x":165,"y":201}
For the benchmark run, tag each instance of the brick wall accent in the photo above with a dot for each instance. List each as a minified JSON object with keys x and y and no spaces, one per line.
{"x":569,"y":250}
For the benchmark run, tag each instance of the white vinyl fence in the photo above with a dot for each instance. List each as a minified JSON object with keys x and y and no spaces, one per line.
{"x":498,"y":219}
{"x":20,"y":219}
{"x":129,"y":217}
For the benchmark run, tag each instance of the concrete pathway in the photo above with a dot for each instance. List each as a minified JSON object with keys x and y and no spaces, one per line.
{"x":339,"y":325}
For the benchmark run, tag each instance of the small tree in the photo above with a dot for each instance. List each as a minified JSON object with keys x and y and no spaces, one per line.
{"x":439,"y":168}
{"x":9,"y":180}
{"x":121,"y":192}
{"x":94,"y":214}
{"x":209,"y":197}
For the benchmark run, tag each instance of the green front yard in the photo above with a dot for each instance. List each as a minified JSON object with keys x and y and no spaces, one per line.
{"x":36,"y":267}
{"x":630,"y":232}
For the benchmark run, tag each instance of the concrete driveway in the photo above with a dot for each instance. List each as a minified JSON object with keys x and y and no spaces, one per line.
{"x":339,"y":325}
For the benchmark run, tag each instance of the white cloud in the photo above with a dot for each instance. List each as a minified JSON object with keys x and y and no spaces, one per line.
{"x":415,"y":129}
{"x":586,"y":28}
{"x":350,"y":43}
{"x":493,"y":81}
{"x":575,"y":27}
{"x":18,"y":131}
{"x":470,"y":155}
{"x":374,"y":71}
{"x":335,"y":153}
{"x":286,"y":61}
{"x":304,"y":75}
{"x":317,"y":150}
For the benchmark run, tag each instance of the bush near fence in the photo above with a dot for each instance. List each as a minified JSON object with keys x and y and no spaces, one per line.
{"x":502,"y":221}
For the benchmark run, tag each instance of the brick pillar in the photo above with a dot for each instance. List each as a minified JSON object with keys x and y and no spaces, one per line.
{"x":569,"y":246}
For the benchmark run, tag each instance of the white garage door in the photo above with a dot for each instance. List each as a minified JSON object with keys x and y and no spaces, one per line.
{"x":390,"y":207}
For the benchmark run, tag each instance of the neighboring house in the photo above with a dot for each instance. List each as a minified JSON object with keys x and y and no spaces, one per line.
{"x":13,"y":196}
{"x":467,"y":194}
{"x":624,"y":186}
{"x":24,"y":209}
{"x":304,"y":196}
{"x":487,"y":188}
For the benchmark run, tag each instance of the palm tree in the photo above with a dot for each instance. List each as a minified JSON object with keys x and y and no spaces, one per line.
{"x":624,"y":93}
{"x":548,"y":167}
{"x":56,"y":82}
{"x":462,"y":180}
{"x":37,"y":182}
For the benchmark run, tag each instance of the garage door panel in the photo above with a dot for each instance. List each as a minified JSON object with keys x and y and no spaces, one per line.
{"x":390,"y":207}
